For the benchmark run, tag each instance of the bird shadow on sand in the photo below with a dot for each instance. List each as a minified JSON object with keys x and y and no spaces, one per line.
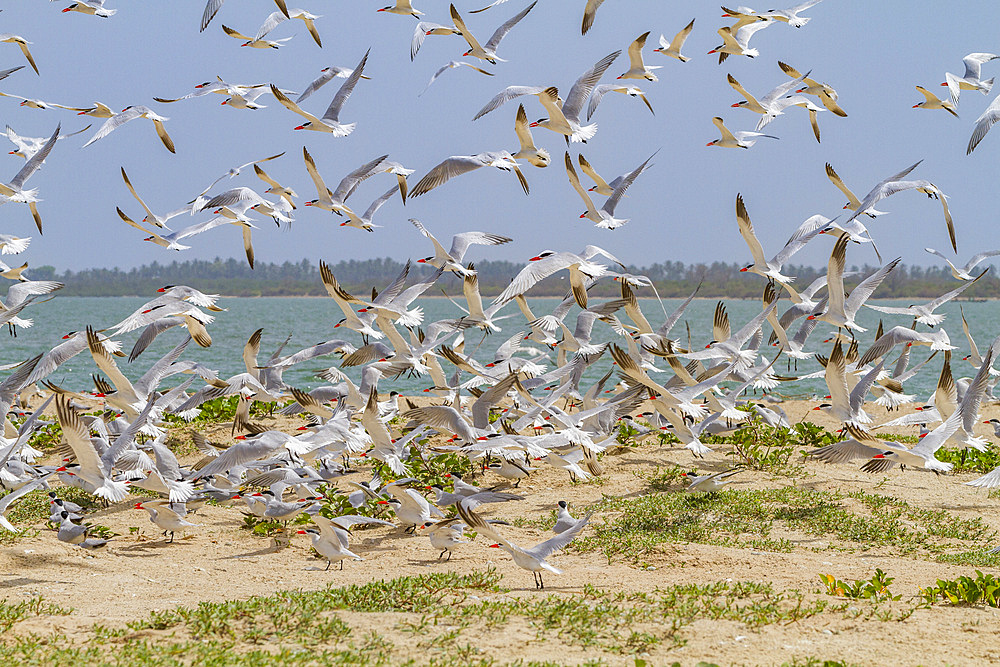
{"x":143,"y":549}
{"x":250,"y":554}
{"x":17,"y":582}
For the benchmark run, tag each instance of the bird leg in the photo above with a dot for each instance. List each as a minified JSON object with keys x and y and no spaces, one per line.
{"x":171,"y":537}
{"x":328,"y":565}
{"x":441,"y":555}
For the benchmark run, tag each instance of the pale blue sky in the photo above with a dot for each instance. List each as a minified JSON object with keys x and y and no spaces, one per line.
{"x":873,"y":53}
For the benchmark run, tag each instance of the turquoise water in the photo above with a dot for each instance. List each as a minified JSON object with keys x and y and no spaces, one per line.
{"x":311,"y":320}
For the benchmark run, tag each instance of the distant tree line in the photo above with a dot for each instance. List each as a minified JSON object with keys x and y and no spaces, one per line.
{"x":232,"y":277}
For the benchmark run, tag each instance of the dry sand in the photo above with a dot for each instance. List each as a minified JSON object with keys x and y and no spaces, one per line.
{"x":140,"y":573}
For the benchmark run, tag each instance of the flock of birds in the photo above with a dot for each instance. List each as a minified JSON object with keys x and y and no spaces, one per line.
{"x":529,"y":406}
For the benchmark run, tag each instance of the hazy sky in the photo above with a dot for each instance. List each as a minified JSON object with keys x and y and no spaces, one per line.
{"x":873,"y":53}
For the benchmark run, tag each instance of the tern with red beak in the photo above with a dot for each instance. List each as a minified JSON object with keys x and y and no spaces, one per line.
{"x":330,"y":122}
{"x":534,"y":559}
{"x":489,"y":51}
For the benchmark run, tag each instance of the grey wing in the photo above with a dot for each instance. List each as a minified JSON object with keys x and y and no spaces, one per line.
{"x":781,"y":90}
{"x":269,"y":24}
{"x":112,"y":124}
{"x":150,"y":380}
{"x":750,"y":328}
{"x":234,"y":196}
{"x":598,"y":95}
{"x":979,"y":257}
{"x":456,"y":165}
{"x":211,"y":9}
{"x":589,"y":12}
{"x":442,"y":70}
{"x":377,"y":204}
{"x":317,"y":83}
{"x":860,"y":391}
{"x":9,"y":499}
{"x":489,"y":398}
{"x":797,"y":243}
{"x":436,"y":416}
{"x":461,"y":242}
{"x":973,"y":63}
{"x":333,"y":111}
{"x":844,"y":451}
{"x":552,"y":545}
{"x":125,"y":440}
{"x":971,"y":403}
{"x":948,"y":296}
{"x":237,"y":455}
{"x":867,"y":287}
{"x":18,"y":292}
{"x":583,"y":86}
{"x":896,"y":177}
{"x":507,"y":94}
{"x":626,"y":182}
{"x":32,"y":165}
{"x":502,"y":31}
{"x":532,"y":274}
{"x":676,"y":315}
{"x":350,"y":182}
{"x":983,"y":124}
{"x":419,"y":35}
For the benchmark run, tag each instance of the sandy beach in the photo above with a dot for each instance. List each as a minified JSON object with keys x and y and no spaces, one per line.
{"x":139,"y":573}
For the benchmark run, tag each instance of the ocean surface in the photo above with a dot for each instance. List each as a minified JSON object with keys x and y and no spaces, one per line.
{"x":311,"y":320}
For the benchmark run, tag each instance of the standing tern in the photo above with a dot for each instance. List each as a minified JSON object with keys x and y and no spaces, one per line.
{"x":533,"y":559}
